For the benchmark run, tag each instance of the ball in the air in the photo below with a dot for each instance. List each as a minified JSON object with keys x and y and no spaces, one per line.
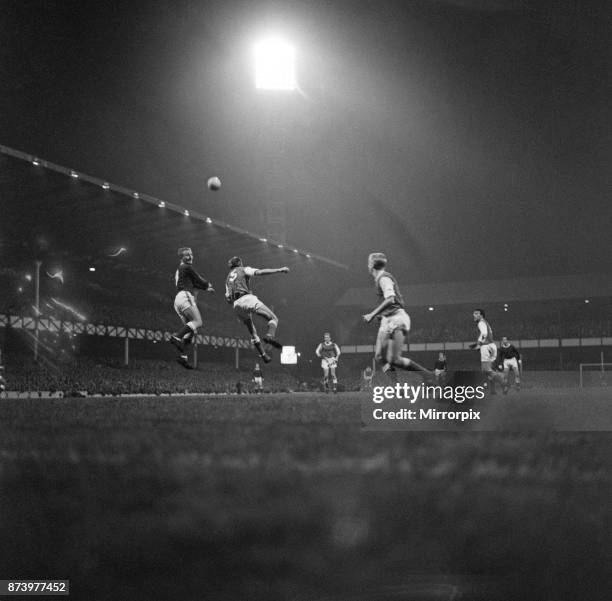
{"x":213,"y":183}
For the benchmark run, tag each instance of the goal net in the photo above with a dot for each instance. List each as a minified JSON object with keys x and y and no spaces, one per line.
{"x":595,"y":374}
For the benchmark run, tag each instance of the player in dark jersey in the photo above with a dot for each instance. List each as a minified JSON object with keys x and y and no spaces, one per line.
{"x":440,"y":369}
{"x":488,"y":349}
{"x":394,"y":321}
{"x":187,"y":281}
{"x":509,"y":359}
{"x":245,"y":303}
{"x":329,"y":353}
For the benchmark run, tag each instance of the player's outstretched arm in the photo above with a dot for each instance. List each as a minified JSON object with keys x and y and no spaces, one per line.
{"x":271,"y":271}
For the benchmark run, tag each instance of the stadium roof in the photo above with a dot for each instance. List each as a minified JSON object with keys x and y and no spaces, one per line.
{"x":160,"y":203}
{"x":77,"y":224}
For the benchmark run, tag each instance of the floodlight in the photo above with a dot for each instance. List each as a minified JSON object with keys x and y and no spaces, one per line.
{"x":275,"y":65}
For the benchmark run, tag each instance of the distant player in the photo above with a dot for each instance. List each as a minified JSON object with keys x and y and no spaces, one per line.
{"x":258,"y":378}
{"x":488,"y":349}
{"x":510,"y":360}
{"x":394,"y":321}
{"x":368,"y":375}
{"x":187,"y":280}
{"x":245,"y":303}
{"x":440,"y":369}
{"x":329,"y":353}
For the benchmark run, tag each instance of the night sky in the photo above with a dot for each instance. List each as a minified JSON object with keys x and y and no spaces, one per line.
{"x":467,"y":139}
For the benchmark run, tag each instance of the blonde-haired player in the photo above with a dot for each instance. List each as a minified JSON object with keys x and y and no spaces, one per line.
{"x":329,"y":353}
{"x":394,"y":321}
{"x":187,"y":281}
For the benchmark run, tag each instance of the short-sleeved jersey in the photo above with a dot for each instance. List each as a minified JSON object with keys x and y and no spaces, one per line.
{"x":508,"y":352}
{"x":386,"y":286}
{"x":327,"y":350}
{"x":237,"y":282}
{"x":257,"y":373}
{"x":441,"y":365}
{"x":188,"y":279}
{"x":486,"y":333}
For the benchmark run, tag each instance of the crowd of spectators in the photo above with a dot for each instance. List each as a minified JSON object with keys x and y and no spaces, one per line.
{"x":88,"y":376}
{"x":456,"y":325}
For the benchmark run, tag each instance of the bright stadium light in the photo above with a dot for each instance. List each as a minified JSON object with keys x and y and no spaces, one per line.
{"x":275,"y":65}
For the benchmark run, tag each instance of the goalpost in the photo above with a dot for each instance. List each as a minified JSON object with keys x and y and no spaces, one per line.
{"x":596,"y":374}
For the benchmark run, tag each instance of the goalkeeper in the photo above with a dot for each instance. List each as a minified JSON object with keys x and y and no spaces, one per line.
{"x":329,"y":352}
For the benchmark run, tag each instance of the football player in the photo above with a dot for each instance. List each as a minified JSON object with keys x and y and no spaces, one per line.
{"x":245,"y":303}
{"x":329,"y":353}
{"x":440,"y":369}
{"x":394,"y":321}
{"x":510,"y":359}
{"x":488,"y":349}
{"x":258,"y":378}
{"x":187,"y":281}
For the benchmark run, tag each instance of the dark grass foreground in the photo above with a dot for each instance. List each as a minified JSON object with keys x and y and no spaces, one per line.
{"x":284,"y":497}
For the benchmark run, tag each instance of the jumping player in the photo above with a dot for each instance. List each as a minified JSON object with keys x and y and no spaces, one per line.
{"x":394,"y":322}
{"x":510,"y":359}
{"x":187,"y":280}
{"x":245,"y":303}
{"x":488,"y":349}
{"x":329,"y":353}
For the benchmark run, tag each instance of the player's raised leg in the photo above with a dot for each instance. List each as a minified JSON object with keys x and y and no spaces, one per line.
{"x":192,"y":320}
{"x":248,"y":322}
{"x":265,"y":312}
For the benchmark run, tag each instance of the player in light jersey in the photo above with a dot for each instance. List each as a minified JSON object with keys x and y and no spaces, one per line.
{"x":394,"y":321}
{"x":258,"y":378}
{"x":329,"y":353}
{"x":510,"y":359}
{"x":187,"y":281}
{"x":488,"y":349}
{"x":367,"y":374}
{"x":245,"y":303}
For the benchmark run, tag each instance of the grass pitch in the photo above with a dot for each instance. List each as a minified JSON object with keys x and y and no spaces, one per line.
{"x":284,"y":497}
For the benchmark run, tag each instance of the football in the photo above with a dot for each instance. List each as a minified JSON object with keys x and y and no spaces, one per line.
{"x":213,"y":183}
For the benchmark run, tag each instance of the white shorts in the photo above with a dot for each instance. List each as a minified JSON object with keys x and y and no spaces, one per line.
{"x":258,"y":381}
{"x":246,"y":305}
{"x":488,"y":352}
{"x":329,"y":363}
{"x":439,"y":372}
{"x":184,"y":300}
{"x":511,"y":364}
{"x":398,"y":321}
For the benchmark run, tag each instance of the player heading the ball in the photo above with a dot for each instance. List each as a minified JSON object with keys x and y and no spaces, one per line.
{"x":238,"y":293}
